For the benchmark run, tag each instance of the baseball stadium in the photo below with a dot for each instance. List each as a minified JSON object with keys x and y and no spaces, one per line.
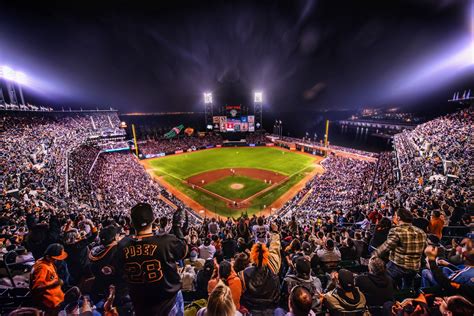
{"x":237,"y":158}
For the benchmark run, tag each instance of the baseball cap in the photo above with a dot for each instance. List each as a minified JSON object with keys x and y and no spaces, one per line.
{"x":56,"y":251}
{"x":142,"y":215}
{"x":193,"y":255}
{"x":107,"y":234}
{"x":346,"y":279}
{"x":303,"y":266}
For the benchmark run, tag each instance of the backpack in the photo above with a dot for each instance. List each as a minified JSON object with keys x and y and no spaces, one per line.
{"x":192,"y":308}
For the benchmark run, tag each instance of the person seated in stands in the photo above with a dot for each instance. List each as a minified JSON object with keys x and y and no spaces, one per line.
{"x":207,"y":250}
{"x":302,"y":277}
{"x":260,"y":282}
{"x":361,"y":245}
{"x":224,"y":272}
{"x":328,"y":255}
{"x":346,"y":296}
{"x":463,"y":274}
{"x":454,"y":306}
{"x":405,"y":244}
{"x":194,"y":261}
{"x":220,"y":303}
{"x":348,"y":250}
{"x":300,"y":302}
{"x":77,"y":304}
{"x":45,"y":283}
{"x":376,"y":285}
{"x":188,"y":278}
{"x":445,"y":284}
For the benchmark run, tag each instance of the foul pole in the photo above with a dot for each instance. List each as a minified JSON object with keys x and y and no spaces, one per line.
{"x":326,"y":136}
{"x":135,"y":139}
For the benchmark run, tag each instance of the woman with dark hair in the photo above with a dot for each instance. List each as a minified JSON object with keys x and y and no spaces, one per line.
{"x":380,"y":233}
{"x":454,"y":306}
{"x":241,"y":261}
{"x":203,"y":278}
{"x":226,"y":274}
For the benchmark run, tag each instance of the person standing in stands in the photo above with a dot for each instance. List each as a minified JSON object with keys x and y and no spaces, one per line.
{"x":147,"y":262}
{"x":260,"y":282}
{"x":101,"y":264}
{"x":405,"y":245}
{"x":260,"y":231}
{"x":45,"y":283}
{"x":436,"y":224}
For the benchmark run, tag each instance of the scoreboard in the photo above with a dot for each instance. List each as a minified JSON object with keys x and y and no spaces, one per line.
{"x":226,"y":124}
{"x":233,"y":121}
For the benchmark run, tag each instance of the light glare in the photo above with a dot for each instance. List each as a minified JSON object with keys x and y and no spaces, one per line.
{"x":258,"y":97}
{"x":207,"y":97}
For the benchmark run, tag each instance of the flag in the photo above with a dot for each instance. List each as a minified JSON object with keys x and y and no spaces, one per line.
{"x":174,"y":131}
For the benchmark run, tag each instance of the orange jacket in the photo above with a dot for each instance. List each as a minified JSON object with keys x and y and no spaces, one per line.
{"x":235,"y":286}
{"x":436,"y":227}
{"x":45,"y":284}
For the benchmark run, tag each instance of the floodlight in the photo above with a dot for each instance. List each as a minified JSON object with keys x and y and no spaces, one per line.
{"x":207,"y":97}
{"x":21,"y":78}
{"x":7,"y":73}
{"x":258,"y":97}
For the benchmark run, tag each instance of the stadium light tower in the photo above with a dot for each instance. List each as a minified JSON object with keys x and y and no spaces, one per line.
{"x":207,"y":97}
{"x":257,"y":108}
{"x":258,"y":97}
{"x":208,"y":109}
{"x":21,"y":79}
{"x":9,"y":75}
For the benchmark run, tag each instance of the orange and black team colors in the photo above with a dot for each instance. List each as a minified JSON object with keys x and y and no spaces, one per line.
{"x":148,"y":264}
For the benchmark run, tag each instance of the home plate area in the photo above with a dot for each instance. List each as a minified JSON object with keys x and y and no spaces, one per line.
{"x":236,"y":186}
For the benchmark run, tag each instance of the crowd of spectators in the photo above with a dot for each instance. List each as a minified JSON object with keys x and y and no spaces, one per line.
{"x":356,"y":240}
{"x":181,"y":143}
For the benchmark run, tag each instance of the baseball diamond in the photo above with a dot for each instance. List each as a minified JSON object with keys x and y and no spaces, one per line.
{"x":227,"y":181}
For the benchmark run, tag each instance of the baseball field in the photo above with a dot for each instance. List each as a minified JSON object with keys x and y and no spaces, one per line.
{"x":228,"y":181}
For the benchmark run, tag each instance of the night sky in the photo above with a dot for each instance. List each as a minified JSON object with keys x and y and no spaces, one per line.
{"x":310,"y":55}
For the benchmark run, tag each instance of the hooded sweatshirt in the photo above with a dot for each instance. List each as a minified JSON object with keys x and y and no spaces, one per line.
{"x":377,"y":289}
{"x":336,"y":300}
{"x":311,"y":283}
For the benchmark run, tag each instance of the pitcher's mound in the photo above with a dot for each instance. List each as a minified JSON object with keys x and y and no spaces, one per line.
{"x":236,"y":186}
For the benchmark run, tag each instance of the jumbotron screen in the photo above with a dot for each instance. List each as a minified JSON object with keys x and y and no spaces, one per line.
{"x":226,"y":124}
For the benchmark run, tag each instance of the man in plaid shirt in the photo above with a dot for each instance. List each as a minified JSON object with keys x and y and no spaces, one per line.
{"x":405,"y":245}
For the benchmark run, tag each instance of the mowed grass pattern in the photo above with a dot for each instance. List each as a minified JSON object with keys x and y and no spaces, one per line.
{"x":185,"y":165}
{"x":222,"y":187}
{"x":176,"y":168}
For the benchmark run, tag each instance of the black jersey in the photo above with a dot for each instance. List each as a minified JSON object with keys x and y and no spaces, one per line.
{"x":148,"y":265}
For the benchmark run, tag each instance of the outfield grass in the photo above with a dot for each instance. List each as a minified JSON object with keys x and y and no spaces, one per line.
{"x":185,"y":165}
{"x":222,"y":187}
{"x":178,"y":167}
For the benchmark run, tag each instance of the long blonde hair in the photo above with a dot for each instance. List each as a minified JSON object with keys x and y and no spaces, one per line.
{"x":220,"y":301}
